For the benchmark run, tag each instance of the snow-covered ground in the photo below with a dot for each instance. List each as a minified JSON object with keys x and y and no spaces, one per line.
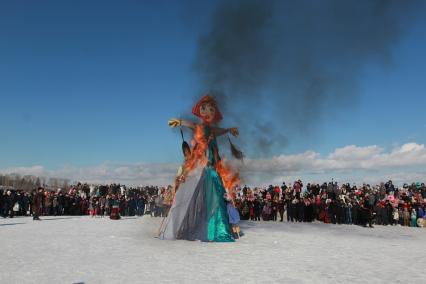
{"x":93,"y":250}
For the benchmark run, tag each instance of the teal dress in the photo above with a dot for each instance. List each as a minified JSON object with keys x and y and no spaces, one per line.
{"x":206,"y":218}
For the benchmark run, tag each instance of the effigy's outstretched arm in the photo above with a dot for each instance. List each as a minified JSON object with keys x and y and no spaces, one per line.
{"x":222,"y":131}
{"x":174,"y":122}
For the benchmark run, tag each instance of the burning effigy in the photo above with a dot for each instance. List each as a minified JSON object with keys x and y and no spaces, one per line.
{"x":204,"y":185}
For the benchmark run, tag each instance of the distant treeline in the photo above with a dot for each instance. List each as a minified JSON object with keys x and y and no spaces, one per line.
{"x":29,"y":182}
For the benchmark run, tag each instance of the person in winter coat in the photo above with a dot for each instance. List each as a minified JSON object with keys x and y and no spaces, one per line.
{"x":332,"y":211}
{"x":257,"y":208}
{"x":292,"y":210}
{"x":401,"y":216}
{"x":47,"y":204}
{"x":140,"y":203}
{"x":9,"y":204}
{"x":37,"y":203}
{"x":55,"y":205}
{"x":366,"y":215}
{"x":251,"y":209}
{"x":152,"y":207}
{"x":413,"y":218}
{"x":421,"y":212}
{"x":348,"y":214}
{"x":102,"y":202}
{"x":234,"y":217}
{"x":356,"y":213}
{"x":245,"y":210}
{"x":16,"y":208}
{"x":115,"y":208}
{"x":159,"y":200}
{"x":406,"y":215}
{"x":395,"y":216}
{"x":92,"y":206}
{"x":25,"y":204}
{"x":274,"y":206}
{"x":300,"y":210}
{"x":281,"y":208}
{"x":267,"y":211}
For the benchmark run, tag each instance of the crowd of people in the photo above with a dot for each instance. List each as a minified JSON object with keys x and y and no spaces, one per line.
{"x":383,"y":204}
{"x":113,"y":201}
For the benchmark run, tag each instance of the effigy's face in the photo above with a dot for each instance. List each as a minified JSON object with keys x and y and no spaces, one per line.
{"x":208,"y":112}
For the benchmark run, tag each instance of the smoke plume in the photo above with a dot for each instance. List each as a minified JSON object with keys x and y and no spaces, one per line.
{"x":278,"y":68}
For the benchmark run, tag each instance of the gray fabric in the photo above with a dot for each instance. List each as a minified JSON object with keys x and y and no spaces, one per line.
{"x":194,"y":225}
{"x":182,"y":199}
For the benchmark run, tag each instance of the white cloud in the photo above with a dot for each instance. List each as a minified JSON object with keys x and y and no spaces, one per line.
{"x":353,"y":152}
{"x":349,"y":161}
{"x":403,"y":163}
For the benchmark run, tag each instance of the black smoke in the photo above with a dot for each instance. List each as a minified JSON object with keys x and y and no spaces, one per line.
{"x":278,"y":68}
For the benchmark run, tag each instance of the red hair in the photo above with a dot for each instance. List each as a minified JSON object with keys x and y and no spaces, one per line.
{"x":207,"y":100}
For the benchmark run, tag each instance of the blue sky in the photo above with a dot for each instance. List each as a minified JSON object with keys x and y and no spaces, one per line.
{"x":87,"y":82}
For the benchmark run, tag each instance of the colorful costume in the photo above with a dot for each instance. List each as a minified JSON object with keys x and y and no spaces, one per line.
{"x":199,"y":211}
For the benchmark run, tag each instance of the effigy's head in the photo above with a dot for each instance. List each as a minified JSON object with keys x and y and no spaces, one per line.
{"x":207,"y":110}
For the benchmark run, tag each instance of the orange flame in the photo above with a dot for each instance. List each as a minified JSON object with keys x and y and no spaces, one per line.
{"x":199,"y":147}
{"x":230,"y":178}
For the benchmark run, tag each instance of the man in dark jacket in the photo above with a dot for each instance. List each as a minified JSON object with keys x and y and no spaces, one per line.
{"x":37,"y":203}
{"x":366,"y":214}
{"x":25,"y":204}
{"x":281,"y":208}
{"x":257,"y":208}
{"x":11,"y":202}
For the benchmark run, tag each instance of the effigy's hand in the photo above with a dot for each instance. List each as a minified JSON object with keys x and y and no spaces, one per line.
{"x":174,"y":122}
{"x":234,"y":131}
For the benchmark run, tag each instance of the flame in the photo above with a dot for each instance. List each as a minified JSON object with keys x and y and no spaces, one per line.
{"x":199,"y":147}
{"x":230,"y":178}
